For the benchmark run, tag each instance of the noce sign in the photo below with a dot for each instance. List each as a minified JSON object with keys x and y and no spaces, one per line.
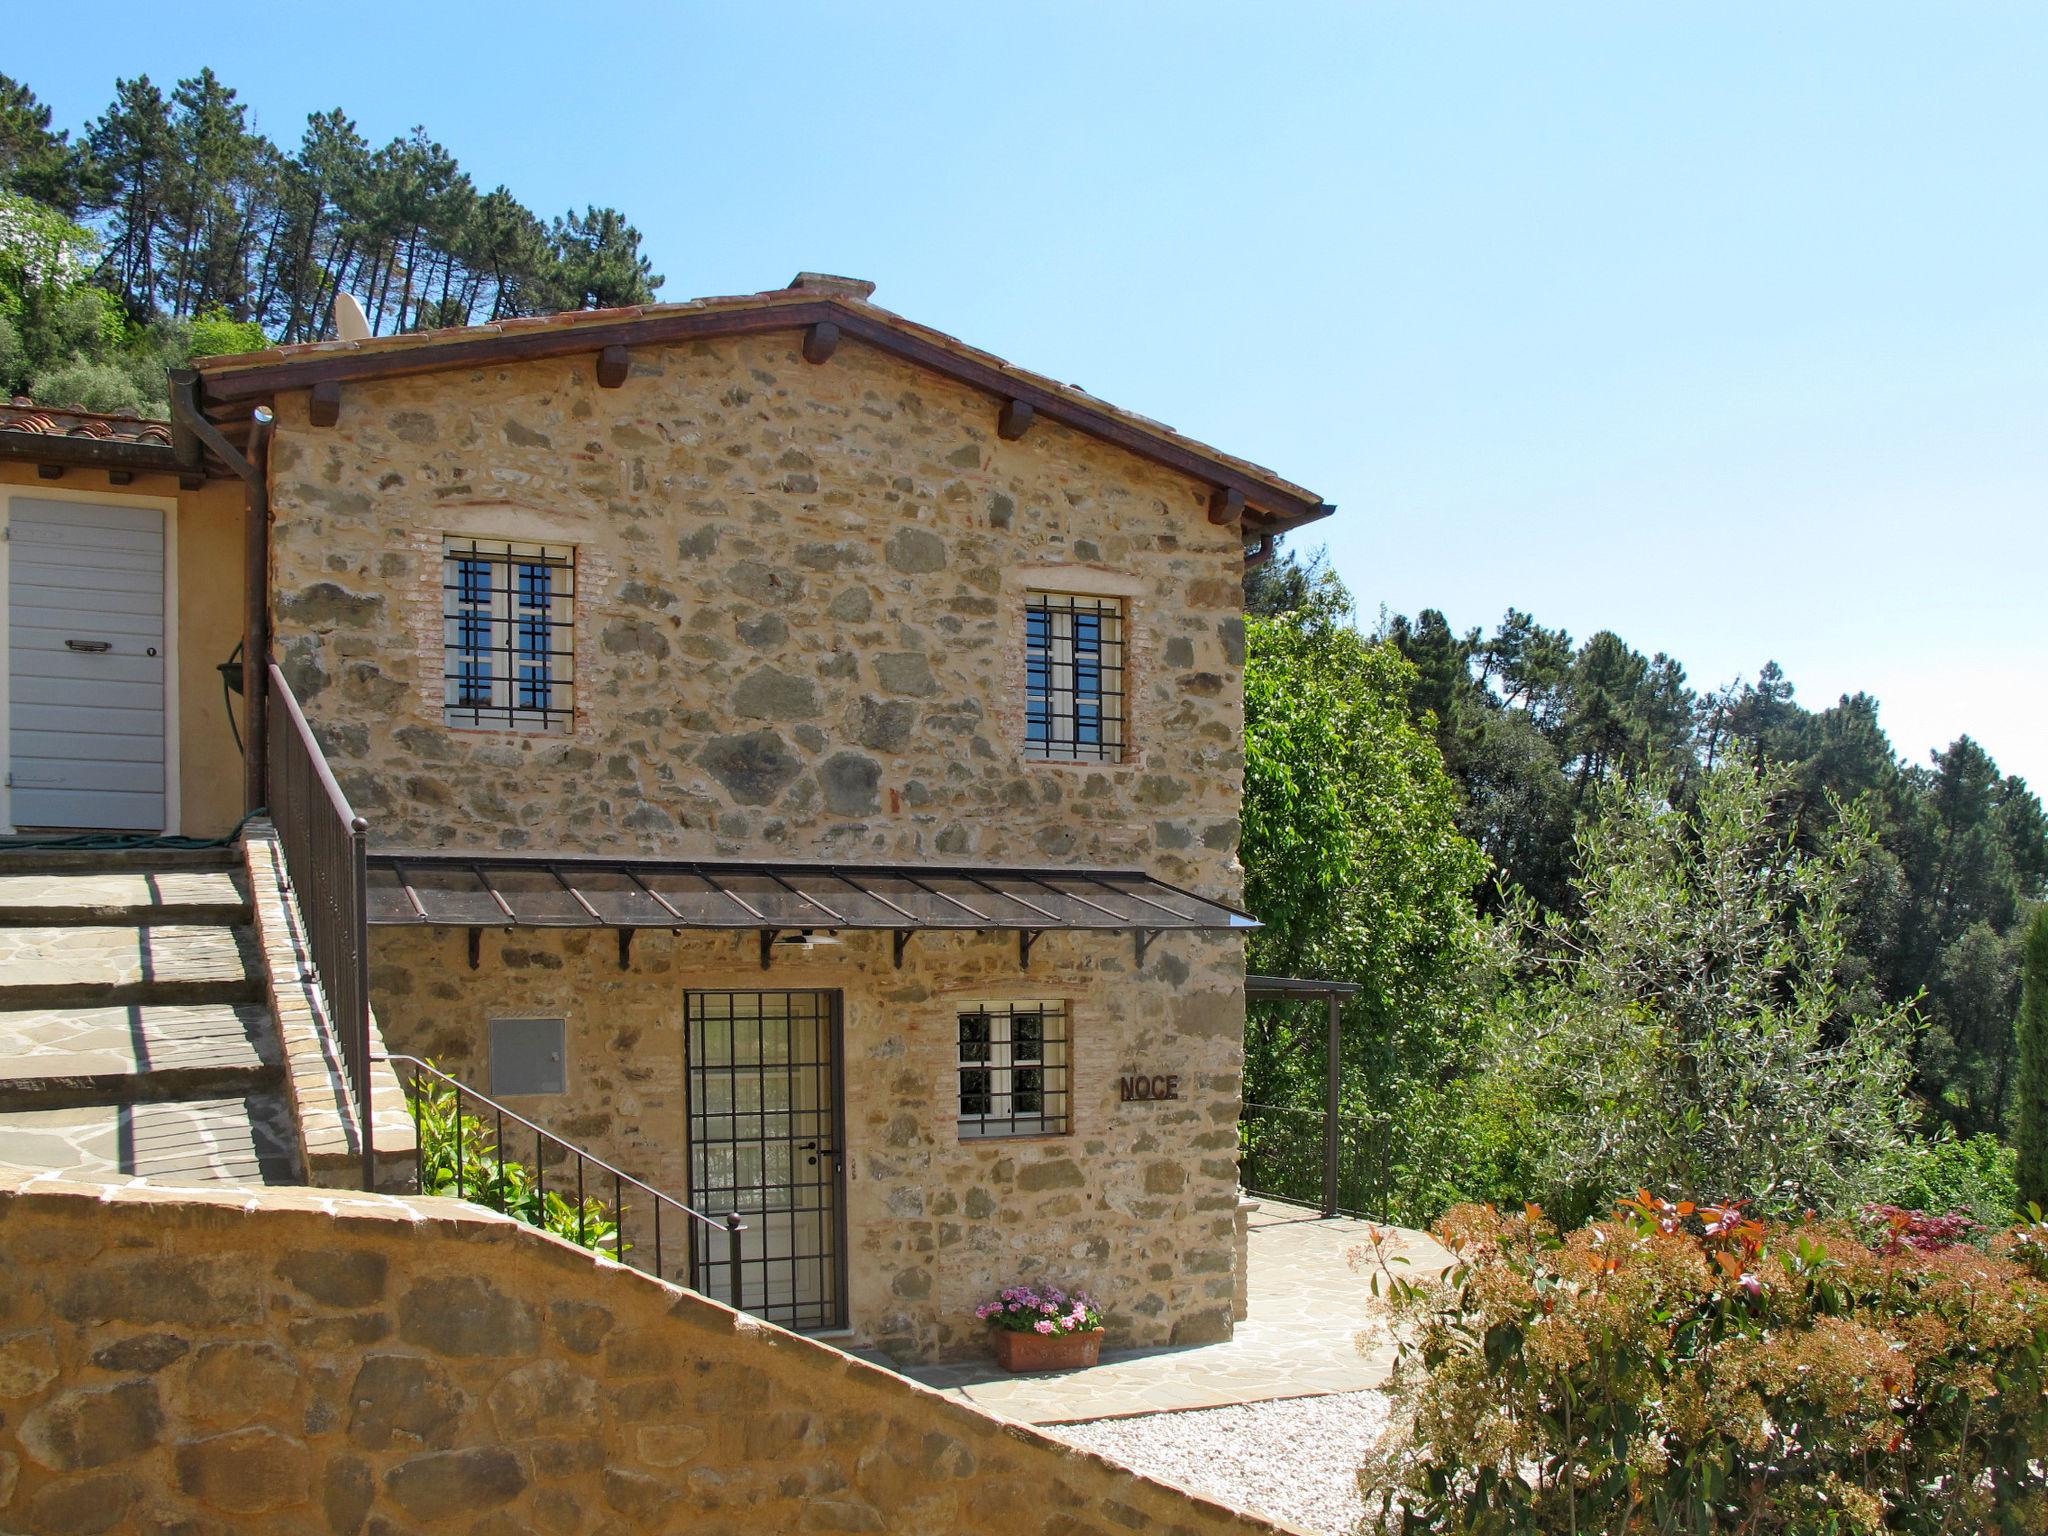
{"x":1140,"y":1088}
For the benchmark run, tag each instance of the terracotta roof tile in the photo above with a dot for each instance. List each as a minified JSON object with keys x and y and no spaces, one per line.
{"x":24,"y":415}
{"x":414,"y":352}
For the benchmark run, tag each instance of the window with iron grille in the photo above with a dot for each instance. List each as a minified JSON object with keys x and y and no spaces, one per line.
{"x":508,"y":613}
{"x":1013,"y":1069}
{"x":1073,"y":677}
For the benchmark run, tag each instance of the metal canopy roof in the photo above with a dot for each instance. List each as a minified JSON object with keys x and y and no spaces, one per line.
{"x":517,"y":891}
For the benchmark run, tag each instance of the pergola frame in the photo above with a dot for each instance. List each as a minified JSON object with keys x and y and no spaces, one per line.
{"x":1299,"y":989}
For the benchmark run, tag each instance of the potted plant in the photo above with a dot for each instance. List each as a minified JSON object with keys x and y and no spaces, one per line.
{"x":1043,"y":1328}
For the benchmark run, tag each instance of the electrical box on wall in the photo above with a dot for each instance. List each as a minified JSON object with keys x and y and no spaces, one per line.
{"x":528,"y":1056}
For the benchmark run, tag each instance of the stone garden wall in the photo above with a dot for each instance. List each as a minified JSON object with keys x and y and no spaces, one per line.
{"x":800,"y":623}
{"x":296,"y":1362}
{"x":1136,"y":1203}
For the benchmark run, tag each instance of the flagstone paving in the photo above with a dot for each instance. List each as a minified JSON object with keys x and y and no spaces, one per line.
{"x":241,"y":1140}
{"x":46,"y":1043}
{"x":135,"y":1042}
{"x":1313,"y":1328}
{"x":145,"y":894}
{"x":95,"y":963}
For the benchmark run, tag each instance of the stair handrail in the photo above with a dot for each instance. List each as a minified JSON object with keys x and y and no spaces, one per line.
{"x":730,"y":1225}
{"x":326,"y":855}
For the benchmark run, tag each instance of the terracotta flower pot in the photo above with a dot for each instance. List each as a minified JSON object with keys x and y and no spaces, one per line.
{"x":1047,"y":1351}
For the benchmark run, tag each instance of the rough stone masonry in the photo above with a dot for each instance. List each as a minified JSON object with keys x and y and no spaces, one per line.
{"x":799,"y":633}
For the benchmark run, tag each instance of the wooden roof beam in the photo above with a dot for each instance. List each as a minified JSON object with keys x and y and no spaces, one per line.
{"x":1014,"y":420}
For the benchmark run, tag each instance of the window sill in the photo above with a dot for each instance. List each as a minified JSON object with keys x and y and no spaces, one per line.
{"x":1128,"y":760}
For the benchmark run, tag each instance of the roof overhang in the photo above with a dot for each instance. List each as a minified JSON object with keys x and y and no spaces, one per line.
{"x":779,"y":900}
{"x":1264,"y":504}
{"x":56,"y":440}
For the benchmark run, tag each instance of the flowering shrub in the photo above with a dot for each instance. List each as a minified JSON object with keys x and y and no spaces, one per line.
{"x":1680,"y":1368}
{"x":1041,"y":1309}
{"x":1892,"y":1231}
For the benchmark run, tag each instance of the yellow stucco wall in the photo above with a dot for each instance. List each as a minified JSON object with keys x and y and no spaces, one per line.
{"x":206,"y":527}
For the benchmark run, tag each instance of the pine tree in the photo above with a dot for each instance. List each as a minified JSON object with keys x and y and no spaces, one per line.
{"x":2030,"y":1085}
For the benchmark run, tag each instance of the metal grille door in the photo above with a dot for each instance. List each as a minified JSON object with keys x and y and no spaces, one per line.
{"x":763,"y":1072}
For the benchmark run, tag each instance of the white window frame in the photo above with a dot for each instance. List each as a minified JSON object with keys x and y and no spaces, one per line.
{"x":1001,"y":1063}
{"x":506,"y":625}
{"x":1063,"y":739}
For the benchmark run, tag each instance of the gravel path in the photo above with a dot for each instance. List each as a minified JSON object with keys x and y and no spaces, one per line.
{"x":1293,"y":1459}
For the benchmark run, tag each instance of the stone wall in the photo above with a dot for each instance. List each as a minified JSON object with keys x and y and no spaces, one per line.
{"x":293,"y":1362}
{"x":800,"y":625}
{"x":1136,"y":1203}
{"x":800,"y":633}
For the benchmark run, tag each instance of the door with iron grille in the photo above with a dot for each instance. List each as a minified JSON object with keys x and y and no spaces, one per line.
{"x":764,"y":1116}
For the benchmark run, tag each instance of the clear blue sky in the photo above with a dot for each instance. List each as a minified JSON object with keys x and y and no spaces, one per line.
{"x":1722,"y":326}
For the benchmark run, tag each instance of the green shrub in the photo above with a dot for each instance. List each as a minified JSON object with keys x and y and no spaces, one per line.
{"x":459,"y":1159}
{"x":1977,"y":1176}
{"x":216,"y":333}
{"x":1694,"y":1370}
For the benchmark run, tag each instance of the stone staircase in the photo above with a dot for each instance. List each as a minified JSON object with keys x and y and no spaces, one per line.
{"x":136,"y":1041}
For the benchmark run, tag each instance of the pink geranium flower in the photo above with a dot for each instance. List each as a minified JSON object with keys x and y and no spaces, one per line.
{"x":1043,"y":1325}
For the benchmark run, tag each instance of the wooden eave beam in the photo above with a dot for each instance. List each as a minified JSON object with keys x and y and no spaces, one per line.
{"x":1226,"y":507}
{"x":820,"y":341}
{"x":266,"y":380}
{"x":1014,"y":420}
{"x":324,"y":409}
{"x":613,"y":364}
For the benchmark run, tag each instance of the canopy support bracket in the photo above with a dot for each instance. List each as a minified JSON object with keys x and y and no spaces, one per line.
{"x":626,"y":949}
{"x":767,"y":947}
{"x":476,"y":948}
{"x":901,"y":939}
{"x":1026,"y":937}
{"x":1144,"y":937}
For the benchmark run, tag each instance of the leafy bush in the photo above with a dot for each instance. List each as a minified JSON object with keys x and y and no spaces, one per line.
{"x":1692,"y":1369}
{"x":459,"y":1159}
{"x":1687,"y":1025}
{"x":216,"y":333}
{"x":1977,"y":1176}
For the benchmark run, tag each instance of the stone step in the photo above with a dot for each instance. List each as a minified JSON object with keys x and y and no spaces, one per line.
{"x":51,"y":898}
{"x":25,"y":856}
{"x":236,"y":1139}
{"x":106,"y":966}
{"x":56,"y":1056}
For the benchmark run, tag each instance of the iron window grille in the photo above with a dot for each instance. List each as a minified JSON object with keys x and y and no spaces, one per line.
{"x":508,"y":612}
{"x":1073,"y":677}
{"x":1013,"y":1069}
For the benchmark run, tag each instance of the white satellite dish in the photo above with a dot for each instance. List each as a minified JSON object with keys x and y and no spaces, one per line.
{"x":350,"y":323}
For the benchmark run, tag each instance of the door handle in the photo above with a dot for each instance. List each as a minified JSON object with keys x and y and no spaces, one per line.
{"x":816,"y":1152}
{"x":89,"y":645}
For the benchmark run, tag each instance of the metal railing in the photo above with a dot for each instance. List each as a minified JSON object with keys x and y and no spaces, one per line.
{"x":475,"y":1163}
{"x":325,"y":846}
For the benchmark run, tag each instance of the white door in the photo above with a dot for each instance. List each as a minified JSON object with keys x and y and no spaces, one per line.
{"x":85,"y":623}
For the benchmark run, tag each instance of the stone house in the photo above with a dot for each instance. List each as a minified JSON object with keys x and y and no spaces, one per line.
{"x":801,"y":757}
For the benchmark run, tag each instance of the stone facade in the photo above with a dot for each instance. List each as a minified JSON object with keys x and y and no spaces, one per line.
{"x":800,"y":627}
{"x":1137,"y":1202}
{"x":300,"y":1363}
{"x":800,"y":634}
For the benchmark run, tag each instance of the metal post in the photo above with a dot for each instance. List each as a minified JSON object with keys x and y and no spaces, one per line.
{"x":1332,"y":1091}
{"x":733,"y":1227}
{"x":359,"y":987}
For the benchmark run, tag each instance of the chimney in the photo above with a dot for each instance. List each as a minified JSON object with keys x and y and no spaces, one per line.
{"x":827,"y":286}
